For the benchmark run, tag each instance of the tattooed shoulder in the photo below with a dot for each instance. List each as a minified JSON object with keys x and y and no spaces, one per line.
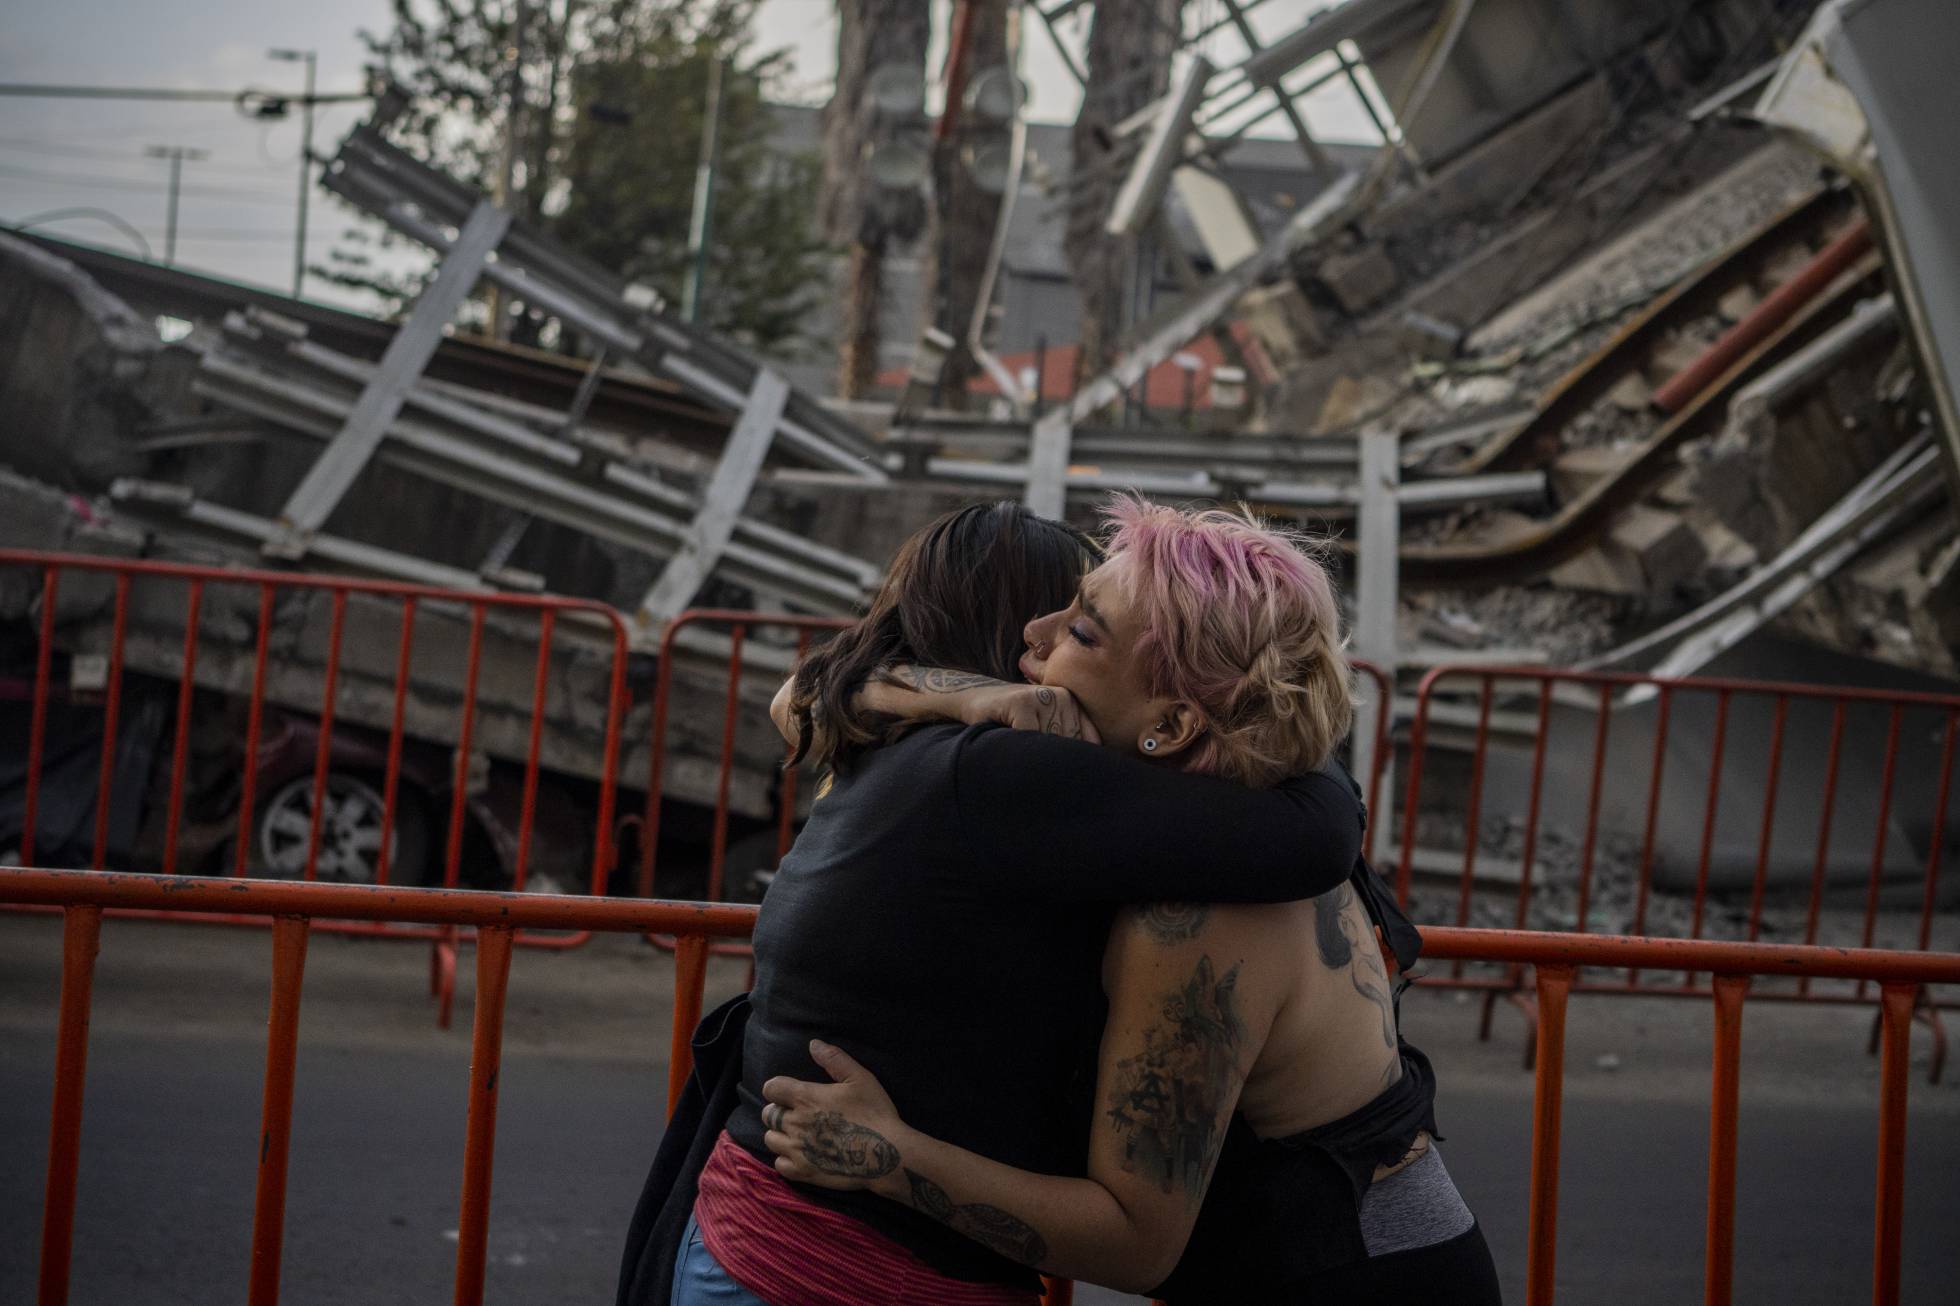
{"x":1344,"y":944}
{"x":1173,"y":922}
{"x":1170,"y":1102}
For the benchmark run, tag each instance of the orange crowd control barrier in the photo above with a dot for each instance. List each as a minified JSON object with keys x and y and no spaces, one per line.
{"x":147,"y":597}
{"x":1688,"y":746}
{"x":736,"y":625}
{"x":293,"y":908}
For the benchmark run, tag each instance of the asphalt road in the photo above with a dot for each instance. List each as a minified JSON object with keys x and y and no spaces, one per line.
{"x":177,"y":1051}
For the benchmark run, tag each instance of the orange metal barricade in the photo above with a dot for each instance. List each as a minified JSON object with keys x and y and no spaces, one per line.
{"x":1604,"y":715}
{"x":737,"y":624}
{"x":140,"y":580}
{"x":293,"y":907}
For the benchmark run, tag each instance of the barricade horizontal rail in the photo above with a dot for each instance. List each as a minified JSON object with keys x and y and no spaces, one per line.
{"x":260,"y":640}
{"x":292,"y":907}
{"x":1765,"y":789}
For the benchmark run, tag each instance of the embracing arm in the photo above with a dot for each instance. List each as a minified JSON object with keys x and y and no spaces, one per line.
{"x":933,"y":694}
{"x":1178,"y":1043}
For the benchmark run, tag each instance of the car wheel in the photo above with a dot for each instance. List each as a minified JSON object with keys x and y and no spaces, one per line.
{"x":350,"y":833}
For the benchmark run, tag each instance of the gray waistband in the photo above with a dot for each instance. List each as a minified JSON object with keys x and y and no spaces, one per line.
{"x":1416,"y":1206}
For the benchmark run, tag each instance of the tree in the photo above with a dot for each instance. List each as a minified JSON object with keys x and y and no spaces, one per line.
{"x":864,"y":218}
{"x":963,"y":211}
{"x":609,"y":100}
{"x":1129,"y":65}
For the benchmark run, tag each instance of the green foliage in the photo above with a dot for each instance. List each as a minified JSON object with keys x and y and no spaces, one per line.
{"x":613,"y":97}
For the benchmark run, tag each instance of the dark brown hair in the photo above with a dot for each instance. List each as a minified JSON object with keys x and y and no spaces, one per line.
{"x":957,"y":595}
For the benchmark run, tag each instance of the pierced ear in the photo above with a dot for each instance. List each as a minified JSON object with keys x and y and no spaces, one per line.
{"x":1177,"y":727}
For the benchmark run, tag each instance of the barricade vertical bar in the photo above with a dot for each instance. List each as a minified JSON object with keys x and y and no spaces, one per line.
{"x":1554,"y":986}
{"x":1718,"y":1277}
{"x":391,"y":778}
{"x":453,"y":855}
{"x":1896,"y":1014}
{"x":248,"y":781}
{"x":1823,"y":834}
{"x":1662,"y":712}
{"x":1474,"y":811}
{"x":1708,"y":815}
{"x":1534,"y":806}
{"x":480,"y":1132}
{"x":289,"y":935}
{"x":180,"y":746}
{"x":1884,"y":823}
{"x":527,"y":813}
{"x":663,"y":687}
{"x":1934,"y":846}
{"x":719,"y":856}
{"x":602,"y":845}
{"x":323,"y":752}
{"x":37,"y":730}
{"x":111,"y":709}
{"x":1769,"y":817}
{"x":690,"y":976}
{"x":1592,"y":804}
{"x":1418,"y":738}
{"x":81,"y":932}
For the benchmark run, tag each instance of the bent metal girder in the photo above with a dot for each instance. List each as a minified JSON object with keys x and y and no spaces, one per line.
{"x":424,"y":204}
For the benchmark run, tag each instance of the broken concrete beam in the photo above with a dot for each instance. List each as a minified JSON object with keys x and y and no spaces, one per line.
{"x":1631,"y":393}
{"x":1737,"y":302}
{"x":1360,"y":278}
{"x":1665,"y":547}
{"x":1606,"y":569}
{"x":1429,"y":337}
{"x":1283,"y":322}
{"x":1577,"y":470}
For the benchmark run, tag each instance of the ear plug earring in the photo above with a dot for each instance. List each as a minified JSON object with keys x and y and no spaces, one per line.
{"x":1149,"y":745}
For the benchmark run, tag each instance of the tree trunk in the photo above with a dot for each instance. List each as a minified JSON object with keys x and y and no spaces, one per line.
{"x":963,"y":211}
{"x":1129,"y":65}
{"x":857,"y":363}
{"x":867,"y":220}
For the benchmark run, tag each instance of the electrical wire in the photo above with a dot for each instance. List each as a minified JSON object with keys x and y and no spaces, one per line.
{"x":146,"y":187}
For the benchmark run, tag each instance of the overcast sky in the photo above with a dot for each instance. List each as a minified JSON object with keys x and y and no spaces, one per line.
{"x":237,"y":210}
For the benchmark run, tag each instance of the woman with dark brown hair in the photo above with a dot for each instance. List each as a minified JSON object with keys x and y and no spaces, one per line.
{"x":944,"y":912}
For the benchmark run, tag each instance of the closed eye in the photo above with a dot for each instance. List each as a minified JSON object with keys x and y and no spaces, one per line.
{"x":1075,"y":633}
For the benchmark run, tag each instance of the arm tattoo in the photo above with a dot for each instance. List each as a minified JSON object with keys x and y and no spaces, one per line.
{"x":936,"y":680}
{"x":1173,"y":922}
{"x":1053,"y":720}
{"x":987,"y":1225}
{"x":1170,"y":1102}
{"x":1343,"y":945}
{"x":837,"y":1146}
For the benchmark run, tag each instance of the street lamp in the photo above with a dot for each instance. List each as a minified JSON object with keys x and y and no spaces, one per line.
{"x":310,"y":58}
{"x":176,"y":155}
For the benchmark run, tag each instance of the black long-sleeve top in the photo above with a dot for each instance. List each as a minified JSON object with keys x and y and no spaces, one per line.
{"x":942,"y":918}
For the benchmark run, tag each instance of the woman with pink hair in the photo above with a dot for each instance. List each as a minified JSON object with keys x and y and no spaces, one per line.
{"x":1261,"y":1132}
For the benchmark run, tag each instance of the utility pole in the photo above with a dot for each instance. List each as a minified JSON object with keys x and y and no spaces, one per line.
{"x":702,"y":224}
{"x":176,"y":154}
{"x":310,"y":58}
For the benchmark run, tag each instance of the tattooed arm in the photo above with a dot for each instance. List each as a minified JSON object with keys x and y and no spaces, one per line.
{"x":934,"y":694}
{"x":1182,"y":1033}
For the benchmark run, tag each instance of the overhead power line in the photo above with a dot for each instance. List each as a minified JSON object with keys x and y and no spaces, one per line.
{"x":45,"y":91}
{"x":134,"y":184}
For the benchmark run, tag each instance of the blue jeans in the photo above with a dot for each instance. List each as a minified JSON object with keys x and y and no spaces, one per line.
{"x":699,"y":1279}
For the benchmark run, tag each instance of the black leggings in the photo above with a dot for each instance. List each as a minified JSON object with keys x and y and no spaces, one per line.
{"x":1458,"y":1272}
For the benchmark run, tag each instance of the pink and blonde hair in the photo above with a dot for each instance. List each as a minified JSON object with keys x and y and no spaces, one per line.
{"x":1239,"y":619}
